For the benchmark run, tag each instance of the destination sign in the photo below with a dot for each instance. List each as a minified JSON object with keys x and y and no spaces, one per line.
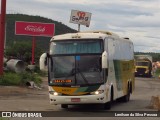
{"x":62,"y":81}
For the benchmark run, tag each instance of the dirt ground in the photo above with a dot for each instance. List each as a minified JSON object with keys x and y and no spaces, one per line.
{"x":25,"y":96}
{"x":13,"y":98}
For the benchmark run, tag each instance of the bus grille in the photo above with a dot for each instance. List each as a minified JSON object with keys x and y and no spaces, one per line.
{"x":141,"y":70}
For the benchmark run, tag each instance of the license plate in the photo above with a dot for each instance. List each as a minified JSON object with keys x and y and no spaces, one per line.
{"x":75,"y":100}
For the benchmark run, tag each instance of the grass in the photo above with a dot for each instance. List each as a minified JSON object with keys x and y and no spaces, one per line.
{"x":4,"y":118}
{"x":157,"y":74}
{"x":19,"y":79}
{"x":10,"y":79}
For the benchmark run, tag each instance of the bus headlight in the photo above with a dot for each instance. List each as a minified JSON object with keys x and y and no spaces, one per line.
{"x":97,"y":92}
{"x":54,"y":93}
{"x":146,"y":71}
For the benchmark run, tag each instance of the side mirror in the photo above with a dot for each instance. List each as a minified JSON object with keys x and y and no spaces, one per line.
{"x":43,"y":62}
{"x":104,"y":60}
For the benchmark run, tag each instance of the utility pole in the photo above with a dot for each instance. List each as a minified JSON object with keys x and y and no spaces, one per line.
{"x":2,"y":32}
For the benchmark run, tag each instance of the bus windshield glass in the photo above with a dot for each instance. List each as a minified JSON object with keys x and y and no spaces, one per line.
{"x":75,"y":62}
{"x":142,"y":63}
{"x":75,"y":70}
{"x":76,"y":46}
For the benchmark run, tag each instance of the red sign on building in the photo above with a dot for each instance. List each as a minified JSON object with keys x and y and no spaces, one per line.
{"x":34,"y":29}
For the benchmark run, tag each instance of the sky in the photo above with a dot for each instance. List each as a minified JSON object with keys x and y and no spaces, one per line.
{"x":137,"y":19}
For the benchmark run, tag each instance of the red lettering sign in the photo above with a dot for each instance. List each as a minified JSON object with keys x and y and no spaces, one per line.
{"x":80,"y":17}
{"x":81,"y":14}
{"x":34,"y":29}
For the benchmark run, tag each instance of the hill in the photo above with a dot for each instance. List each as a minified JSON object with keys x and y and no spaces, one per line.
{"x":42,"y":42}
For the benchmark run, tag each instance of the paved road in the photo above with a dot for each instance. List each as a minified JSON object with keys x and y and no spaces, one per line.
{"x":22,"y":99}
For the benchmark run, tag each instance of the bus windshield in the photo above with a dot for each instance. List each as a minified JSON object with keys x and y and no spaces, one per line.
{"x":75,"y":70}
{"x":142,"y":63}
{"x":75,"y":62}
{"x":76,"y":46}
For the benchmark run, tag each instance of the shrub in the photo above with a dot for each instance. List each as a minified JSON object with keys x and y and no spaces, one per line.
{"x":4,"y":118}
{"x":30,"y":76}
{"x":39,"y":72}
{"x":11,"y":78}
{"x":157,"y":72}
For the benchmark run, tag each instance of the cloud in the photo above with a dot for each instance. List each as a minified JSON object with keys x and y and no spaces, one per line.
{"x":137,"y":19}
{"x":153,"y":37}
{"x":123,"y":10}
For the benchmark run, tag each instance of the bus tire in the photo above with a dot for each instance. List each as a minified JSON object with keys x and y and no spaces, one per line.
{"x":149,"y":74}
{"x":64,"y":106}
{"x":126,"y":98}
{"x":108,"y":105}
{"x":130,"y":88}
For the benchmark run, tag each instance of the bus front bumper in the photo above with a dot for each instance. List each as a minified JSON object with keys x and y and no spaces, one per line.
{"x":86,"y":99}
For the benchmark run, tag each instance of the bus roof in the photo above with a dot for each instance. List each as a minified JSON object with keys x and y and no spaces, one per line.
{"x":87,"y":35}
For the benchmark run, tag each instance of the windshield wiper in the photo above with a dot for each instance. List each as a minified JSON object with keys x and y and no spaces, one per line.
{"x":84,"y":78}
{"x":71,"y":73}
{"x":76,"y":71}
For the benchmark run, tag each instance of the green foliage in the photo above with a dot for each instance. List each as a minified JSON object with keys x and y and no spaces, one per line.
{"x":25,"y":77}
{"x":23,"y":51}
{"x":39,"y":72}
{"x":20,"y":46}
{"x":41,"y":42}
{"x":36,"y":79}
{"x":157,"y":74}
{"x":4,"y":118}
{"x":30,"y":76}
{"x":11,"y":78}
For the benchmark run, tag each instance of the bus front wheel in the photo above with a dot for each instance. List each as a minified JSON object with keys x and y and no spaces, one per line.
{"x":64,"y":106}
{"x":126,"y":98}
{"x":107,"y":106}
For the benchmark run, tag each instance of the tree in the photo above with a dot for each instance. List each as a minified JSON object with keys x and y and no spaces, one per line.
{"x":23,"y":51}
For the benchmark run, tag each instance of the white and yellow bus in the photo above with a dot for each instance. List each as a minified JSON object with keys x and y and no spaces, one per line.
{"x":94,"y":67}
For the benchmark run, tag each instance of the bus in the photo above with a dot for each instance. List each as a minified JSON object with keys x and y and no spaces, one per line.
{"x":94,"y":67}
{"x":143,"y":65}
